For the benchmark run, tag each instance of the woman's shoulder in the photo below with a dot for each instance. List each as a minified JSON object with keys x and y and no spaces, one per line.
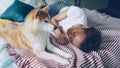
{"x":75,"y":8}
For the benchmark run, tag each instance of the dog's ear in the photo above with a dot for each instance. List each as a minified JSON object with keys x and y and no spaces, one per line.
{"x":41,"y":15}
{"x":43,"y":6}
{"x":31,"y":16}
{"x":37,"y":14}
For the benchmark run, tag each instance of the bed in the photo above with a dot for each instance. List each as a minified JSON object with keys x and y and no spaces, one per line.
{"x":108,"y":55}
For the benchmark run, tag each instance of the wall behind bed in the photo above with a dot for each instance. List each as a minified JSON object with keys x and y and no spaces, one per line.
{"x":36,"y":3}
{"x":94,"y":4}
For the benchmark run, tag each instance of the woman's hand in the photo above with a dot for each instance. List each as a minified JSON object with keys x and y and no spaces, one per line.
{"x":59,"y":17}
{"x":61,"y":36}
{"x":62,"y":40}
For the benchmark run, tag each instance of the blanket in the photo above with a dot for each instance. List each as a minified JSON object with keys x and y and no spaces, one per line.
{"x":26,"y":59}
{"x":110,"y":28}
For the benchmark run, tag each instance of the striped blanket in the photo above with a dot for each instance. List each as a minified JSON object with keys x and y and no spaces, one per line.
{"x":25,"y":59}
{"x":108,"y":56}
{"x":110,"y":27}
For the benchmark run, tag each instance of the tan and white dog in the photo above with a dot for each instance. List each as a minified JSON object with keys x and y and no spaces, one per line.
{"x":33,"y":36}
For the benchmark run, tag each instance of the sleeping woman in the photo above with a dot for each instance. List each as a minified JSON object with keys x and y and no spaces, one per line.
{"x":71,"y":23}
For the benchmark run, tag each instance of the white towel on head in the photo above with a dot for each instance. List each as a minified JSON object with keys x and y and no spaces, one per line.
{"x":75,"y":15}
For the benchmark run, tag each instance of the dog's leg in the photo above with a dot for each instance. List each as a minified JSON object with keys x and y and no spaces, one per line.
{"x":39,"y":50}
{"x":51,"y":47}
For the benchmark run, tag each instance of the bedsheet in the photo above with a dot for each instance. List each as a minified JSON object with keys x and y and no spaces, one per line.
{"x":7,"y":56}
{"x":26,"y":59}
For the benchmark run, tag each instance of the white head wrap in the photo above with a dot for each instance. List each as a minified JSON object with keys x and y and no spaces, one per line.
{"x":75,"y":15}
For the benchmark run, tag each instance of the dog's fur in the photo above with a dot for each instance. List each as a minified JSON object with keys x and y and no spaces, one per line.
{"x":33,"y":36}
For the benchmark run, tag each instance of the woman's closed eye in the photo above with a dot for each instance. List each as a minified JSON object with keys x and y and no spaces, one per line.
{"x":75,"y":33}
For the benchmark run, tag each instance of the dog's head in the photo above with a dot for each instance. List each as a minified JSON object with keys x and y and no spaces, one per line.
{"x":39,"y":18}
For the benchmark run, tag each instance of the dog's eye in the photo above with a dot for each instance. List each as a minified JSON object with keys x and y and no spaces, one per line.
{"x":46,"y":21}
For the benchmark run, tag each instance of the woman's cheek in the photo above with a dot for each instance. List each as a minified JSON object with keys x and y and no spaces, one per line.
{"x":77,"y":41}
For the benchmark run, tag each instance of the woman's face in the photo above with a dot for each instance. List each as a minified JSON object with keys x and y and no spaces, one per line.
{"x":76,"y":35}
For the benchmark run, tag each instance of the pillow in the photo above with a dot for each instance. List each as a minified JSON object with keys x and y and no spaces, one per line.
{"x":17,"y":11}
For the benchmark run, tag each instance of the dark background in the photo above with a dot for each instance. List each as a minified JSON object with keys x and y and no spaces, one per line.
{"x":113,"y":8}
{"x":110,"y":7}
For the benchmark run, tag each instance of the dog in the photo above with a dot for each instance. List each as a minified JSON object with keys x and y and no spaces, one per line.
{"x":33,"y":35}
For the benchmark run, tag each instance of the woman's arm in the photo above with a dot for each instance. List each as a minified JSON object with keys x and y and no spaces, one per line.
{"x":55,"y":20}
